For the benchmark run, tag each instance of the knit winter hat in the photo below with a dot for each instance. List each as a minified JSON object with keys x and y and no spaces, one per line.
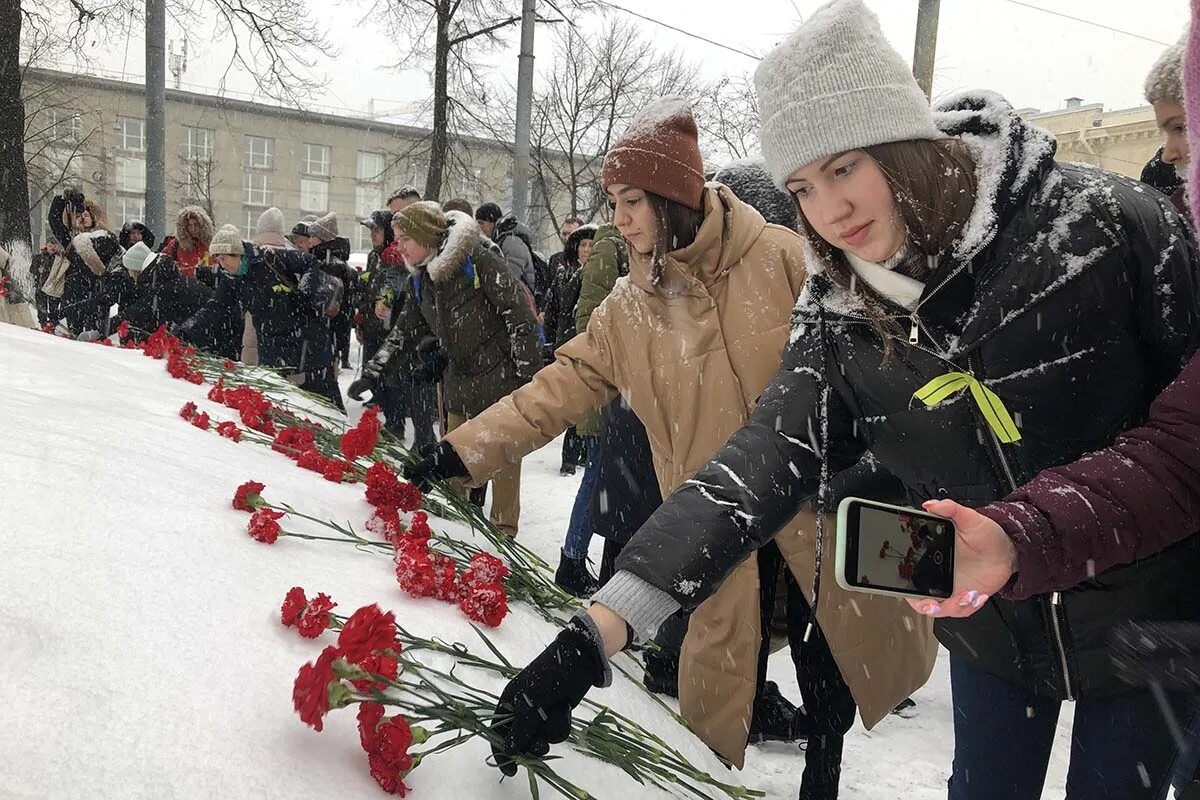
{"x":488,"y":212}
{"x":1164,"y":83}
{"x":269,"y":230}
{"x":324,"y":229}
{"x":835,"y":85}
{"x":659,"y":153}
{"x":136,"y":257}
{"x":227,"y":241}
{"x":423,"y":222}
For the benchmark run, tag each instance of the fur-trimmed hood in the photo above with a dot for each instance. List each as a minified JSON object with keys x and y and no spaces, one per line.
{"x":99,"y":218}
{"x":206,"y":226}
{"x":96,"y":249}
{"x":461,"y":239}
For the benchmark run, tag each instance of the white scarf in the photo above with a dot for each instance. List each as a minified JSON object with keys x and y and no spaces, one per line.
{"x":900,"y":289}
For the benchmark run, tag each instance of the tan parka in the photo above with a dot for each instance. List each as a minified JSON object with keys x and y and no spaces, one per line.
{"x":691,"y":352}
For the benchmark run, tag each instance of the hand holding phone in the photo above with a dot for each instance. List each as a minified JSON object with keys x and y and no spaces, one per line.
{"x":893,"y":550}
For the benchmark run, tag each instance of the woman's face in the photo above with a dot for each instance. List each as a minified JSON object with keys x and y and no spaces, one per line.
{"x":193,"y":227}
{"x":85,"y":220}
{"x":848,"y":203}
{"x":633,"y":217}
{"x":229,"y":263}
{"x":377,"y":235}
{"x":585,"y":250}
{"x":1173,"y":123}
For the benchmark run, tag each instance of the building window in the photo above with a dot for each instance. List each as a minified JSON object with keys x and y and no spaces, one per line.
{"x":259,"y":152}
{"x":366,"y":200}
{"x":131,"y":175}
{"x":316,"y":159}
{"x":63,"y":126}
{"x":314,"y":195}
{"x":418,"y":173}
{"x":250,"y":228}
{"x":258,"y":190}
{"x":370,"y":167}
{"x":131,"y":208}
{"x":198,"y":143}
{"x":131,"y":133}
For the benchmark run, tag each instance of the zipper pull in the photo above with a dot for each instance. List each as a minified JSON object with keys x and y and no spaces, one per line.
{"x":914,"y":333}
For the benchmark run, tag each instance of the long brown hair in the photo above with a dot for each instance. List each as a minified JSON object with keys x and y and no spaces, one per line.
{"x":934,"y":186}
{"x":675,"y":228}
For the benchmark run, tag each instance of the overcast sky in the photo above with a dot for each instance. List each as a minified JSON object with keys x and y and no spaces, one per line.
{"x":1032,"y":57}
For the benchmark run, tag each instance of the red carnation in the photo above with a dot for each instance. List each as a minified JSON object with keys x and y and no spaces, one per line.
{"x":336,"y":470}
{"x":313,"y":460}
{"x":358,"y":442}
{"x":201,"y":421}
{"x":264,"y":526}
{"x":48,"y":328}
{"x":217,"y":393}
{"x":123,"y":329}
{"x":392,"y":739}
{"x":445,"y":578}
{"x":293,"y":606}
{"x":229,"y":365}
{"x":188,"y":411}
{"x":369,"y":717}
{"x":310,"y":693}
{"x":378,"y":664}
{"x":195,"y":377}
{"x":230,"y":430}
{"x":315,"y":617}
{"x":419,"y":527}
{"x":414,"y":573}
{"x":484,"y":569}
{"x":486,"y":603}
{"x":385,"y":522}
{"x":367,"y":631}
{"x":293,"y":441}
{"x":248,"y":496}
{"x":386,"y":775}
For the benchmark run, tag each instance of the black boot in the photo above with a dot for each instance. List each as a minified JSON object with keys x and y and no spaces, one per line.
{"x":662,"y":672}
{"x":566,"y":469}
{"x":573,"y":577}
{"x":774,"y":717}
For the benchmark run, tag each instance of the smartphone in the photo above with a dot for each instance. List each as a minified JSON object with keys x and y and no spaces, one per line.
{"x":893,"y":550}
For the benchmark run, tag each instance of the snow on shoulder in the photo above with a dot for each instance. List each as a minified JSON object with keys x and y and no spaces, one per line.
{"x":144,"y":652}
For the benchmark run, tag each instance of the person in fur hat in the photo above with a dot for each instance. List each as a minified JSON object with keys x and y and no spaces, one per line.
{"x":1164,"y":93}
{"x":189,"y":245}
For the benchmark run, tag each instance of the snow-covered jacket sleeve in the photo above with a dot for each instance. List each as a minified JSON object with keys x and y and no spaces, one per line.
{"x":755,"y":484}
{"x":580,"y":380}
{"x":1166,"y":281}
{"x":398,"y":352}
{"x":1113,"y":507}
{"x":55,"y":220}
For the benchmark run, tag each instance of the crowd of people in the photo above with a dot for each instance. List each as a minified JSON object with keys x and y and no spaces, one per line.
{"x":735,"y":351}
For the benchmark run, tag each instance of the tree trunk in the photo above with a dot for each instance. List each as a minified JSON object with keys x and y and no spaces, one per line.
{"x":439,"y":143}
{"x":14,"y":181}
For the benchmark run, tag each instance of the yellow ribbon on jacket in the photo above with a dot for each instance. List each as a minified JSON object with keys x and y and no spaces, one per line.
{"x":994,"y":412}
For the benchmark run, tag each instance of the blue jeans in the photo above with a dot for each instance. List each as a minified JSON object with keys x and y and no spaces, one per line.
{"x":579,"y":529}
{"x":1121,"y":746}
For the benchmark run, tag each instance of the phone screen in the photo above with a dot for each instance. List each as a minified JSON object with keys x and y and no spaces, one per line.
{"x":903,"y":551}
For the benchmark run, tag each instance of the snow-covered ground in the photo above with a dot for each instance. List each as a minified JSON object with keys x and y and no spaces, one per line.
{"x":143,"y":655}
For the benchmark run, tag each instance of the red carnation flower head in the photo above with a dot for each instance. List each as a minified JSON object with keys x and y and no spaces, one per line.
{"x":264,"y":525}
{"x":313,"y":460}
{"x":335,"y":470}
{"x":229,"y":365}
{"x":358,"y":442}
{"x":418,"y":528}
{"x":393,"y":737}
{"x":379,"y":664}
{"x":123,"y":329}
{"x":201,"y":421}
{"x":217,"y":392}
{"x":188,"y":411}
{"x":293,"y":441}
{"x":370,"y":422}
{"x":486,"y":603}
{"x":367,"y":631}
{"x":310,"y":693}
{"x":293,"y":605}
{"x":414,"y":572}
{"x":230,"y":430}
{"x":249,"y":496}
{"x":445,"y":578}
{"x":369,"y":717}
{"x":315,"y":617}
{"x":485,"y":568}
{"x":195,"y":377}
{"x":388,"y":778}
{"x":385,"y":522}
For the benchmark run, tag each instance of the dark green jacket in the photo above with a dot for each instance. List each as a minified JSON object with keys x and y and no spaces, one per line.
{"x":608,"y":261}
{"x":467,"y":298}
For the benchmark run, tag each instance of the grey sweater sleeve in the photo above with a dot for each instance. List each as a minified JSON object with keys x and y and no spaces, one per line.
{"x":640,"y":603}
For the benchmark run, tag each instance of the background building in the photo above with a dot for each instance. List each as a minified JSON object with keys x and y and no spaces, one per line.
{"x":237,"y":158}
{"x":1120,"y":141}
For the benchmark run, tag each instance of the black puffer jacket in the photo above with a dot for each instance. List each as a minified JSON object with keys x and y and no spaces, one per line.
{"x":163,"y":296}
{"x":286,"y":294}
{"x":1072,"y":294}
{"x":558,"y":317}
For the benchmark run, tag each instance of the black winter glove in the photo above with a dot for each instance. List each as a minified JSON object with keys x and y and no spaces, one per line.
{"x":431,"y":364}
{"x":438,"y":462}
{"x":364,"y":384}
{"x":535,"y":708}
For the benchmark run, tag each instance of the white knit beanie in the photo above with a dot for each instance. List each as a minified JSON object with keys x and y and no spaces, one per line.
{"x":227,"y":241}
{"x":1164,"y":83}
{"x":835,"y":85}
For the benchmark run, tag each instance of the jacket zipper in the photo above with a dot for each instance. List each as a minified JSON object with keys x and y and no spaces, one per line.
{"x":1055,"y":605}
